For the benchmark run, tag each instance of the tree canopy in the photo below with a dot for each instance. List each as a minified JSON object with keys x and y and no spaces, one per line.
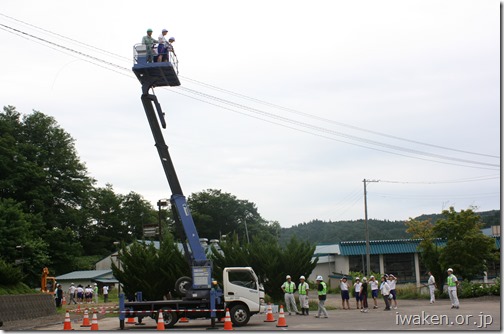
{"x":467,"y":250}
{"x":51,"y":212}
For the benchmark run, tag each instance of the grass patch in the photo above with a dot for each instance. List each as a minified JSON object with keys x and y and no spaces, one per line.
{"x":16,"y":289}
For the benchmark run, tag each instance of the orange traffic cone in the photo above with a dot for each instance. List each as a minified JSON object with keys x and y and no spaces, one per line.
{"x":63,"y":302}
{"x":67,"y":325}
{"x":94,"y":323}
{"x":183,"y":319}
{"x":269,"y":314}
{"x":228,"y":325}
{"x":131,"y":321}
{"x":85,"y":320}
{"x":160,"y":321}
{"x":281,"y":318}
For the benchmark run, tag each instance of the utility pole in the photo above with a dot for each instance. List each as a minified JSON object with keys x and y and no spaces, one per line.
{"x":368,"y":254}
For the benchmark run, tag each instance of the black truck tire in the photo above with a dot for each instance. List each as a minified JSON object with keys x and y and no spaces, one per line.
{"x":240,"y":315}
{"x":182,"y":285}
{"x":170,"y":319}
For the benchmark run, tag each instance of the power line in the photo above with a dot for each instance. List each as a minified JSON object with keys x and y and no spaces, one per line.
{"x":473,"y":179}
{"x":332,"y":121}
{"x":116,"y":67}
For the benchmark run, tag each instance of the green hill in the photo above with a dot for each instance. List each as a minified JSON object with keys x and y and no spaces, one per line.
{"x":317,"y":231}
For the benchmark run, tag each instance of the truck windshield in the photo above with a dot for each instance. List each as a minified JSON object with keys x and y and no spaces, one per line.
{"x":243,"y":278}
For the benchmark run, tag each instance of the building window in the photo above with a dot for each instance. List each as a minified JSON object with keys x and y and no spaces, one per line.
{"x":400,"y":265}
{"x":358,"y":263}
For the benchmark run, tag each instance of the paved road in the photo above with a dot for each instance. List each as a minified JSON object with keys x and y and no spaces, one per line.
{"x":474,"y":314}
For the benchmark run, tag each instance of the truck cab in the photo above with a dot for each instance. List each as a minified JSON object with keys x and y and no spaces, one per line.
{"x":243,"y":294}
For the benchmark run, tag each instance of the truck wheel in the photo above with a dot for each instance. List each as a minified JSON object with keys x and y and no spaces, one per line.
{"x":170,"y":319}
{"x":182,"y":285}
{"x":240,"y":315}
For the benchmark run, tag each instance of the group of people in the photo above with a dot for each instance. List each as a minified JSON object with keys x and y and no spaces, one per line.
{"x":161,"y":53}
{"x":80,"y":294}
{"x":387,"y":287}
{"x":289,"y":287}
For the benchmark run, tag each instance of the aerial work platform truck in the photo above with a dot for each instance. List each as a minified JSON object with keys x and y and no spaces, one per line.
{"x":241,"y":291}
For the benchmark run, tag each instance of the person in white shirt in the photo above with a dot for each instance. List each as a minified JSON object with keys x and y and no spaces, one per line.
{"x":431,"y":283}
{"x":357,"y":286}
{"x":105,"y":293}
{"x":392,"y":282}
{"x":385,"y":291}
{"x":162,"y":46}
{"x":71,"y":294}
{"x":80,"y":294}
{"x":374,"y":290}
{"x":345,"y":296}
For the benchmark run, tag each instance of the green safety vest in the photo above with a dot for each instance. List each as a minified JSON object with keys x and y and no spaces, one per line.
{"x":450,"y":281}
{"x":302,"y":288}
{"x":324,"y":289}
{"x":289,"y":287}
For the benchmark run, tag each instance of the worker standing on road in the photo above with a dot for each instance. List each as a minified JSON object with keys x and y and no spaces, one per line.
{"x":452,"y":283}
{"x":95,"y":293}
{"x":363,"y":295}
{"x":357,"y":287}
{"x":322,"y":296}
{"x":345,"y":295}
{"x":392,"y":283}
{"x":303,"y":288}
{"x":431,"y":283}
{"x":385,"y":291}
{"x":71,"y":294}
{"x":374,"y":290}
{"x":288,"y":287}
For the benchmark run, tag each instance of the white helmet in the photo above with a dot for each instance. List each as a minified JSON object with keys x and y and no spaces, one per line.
{"x":319,"y":278}
{"x":287,"y":277}
{"x":302,"y":277}
{"x":450,"y":269}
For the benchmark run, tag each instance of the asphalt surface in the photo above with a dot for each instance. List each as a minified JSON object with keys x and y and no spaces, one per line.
{"x":474,"y":314}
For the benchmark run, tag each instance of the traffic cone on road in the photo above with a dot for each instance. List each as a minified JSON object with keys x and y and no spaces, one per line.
{"x":131,"y":321}
{"x":183,"y":319}
{"x":228,"y":325}
{"x":269,"y":314}
{"x":160,"y":321}
{"x":281,"y":318}
{"x":94,"y":322}
{"x":85,"y":320}
{"x":67,"y":325}
{"x":63,"y":301}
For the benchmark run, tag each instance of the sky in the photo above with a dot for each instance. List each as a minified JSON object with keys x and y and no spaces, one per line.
{"x":287,"y":104}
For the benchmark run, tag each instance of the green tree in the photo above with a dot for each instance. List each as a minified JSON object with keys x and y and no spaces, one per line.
{"x":467,"y":249}
{"x":150,"y":270}
{"x":39,"y":169}
{"x":270,"y":262}
{"x":216,"y":213}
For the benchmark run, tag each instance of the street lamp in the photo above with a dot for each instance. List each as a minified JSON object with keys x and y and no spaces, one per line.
{"x":116,"y":243}
{"x":21,"y":247}
{"x":161,"y":203}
